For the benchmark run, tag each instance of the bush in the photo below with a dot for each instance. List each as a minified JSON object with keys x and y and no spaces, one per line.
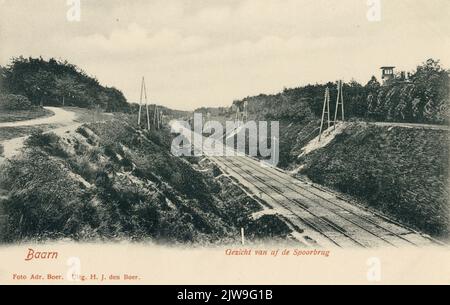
{"x":49,"y":142}
{"x":14,"y":102}
{"x":268,"y":226}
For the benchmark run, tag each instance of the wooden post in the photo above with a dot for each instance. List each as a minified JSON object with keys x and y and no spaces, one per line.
{"x":342,"y":99}
{"x":146,"y":106}
{"x":274,"y":146}
{"x":245,"y":114}
{"x":148,"y":116}
{"x":339,"y":102}
{"x":140,"y":103}
{"x":238,"y":114}
{"x":155,"y":117}
{"x":326,"y":110}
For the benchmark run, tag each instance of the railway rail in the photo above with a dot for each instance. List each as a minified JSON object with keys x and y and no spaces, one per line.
{"x":322,"y":216}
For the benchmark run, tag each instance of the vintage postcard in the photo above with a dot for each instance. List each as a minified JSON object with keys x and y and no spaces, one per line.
{"x":224,"y":142}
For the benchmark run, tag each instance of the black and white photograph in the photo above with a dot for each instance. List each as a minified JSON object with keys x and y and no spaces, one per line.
{"x":229,"y":133}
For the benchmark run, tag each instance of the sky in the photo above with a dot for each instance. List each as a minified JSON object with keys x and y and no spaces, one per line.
{"x":197,"y":53}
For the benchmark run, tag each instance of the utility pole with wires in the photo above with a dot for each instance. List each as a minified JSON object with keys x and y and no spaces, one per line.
{"x":161,"y":118}
{"x":142,"y":99}
{"x":339,"y":102}
{"x":148,"y":117}
{"x":238,"y":115}
{"x":157,"y":118}
{"x":325,"y":112}
{"x":245,"y":113}
{"x":140,"y":102}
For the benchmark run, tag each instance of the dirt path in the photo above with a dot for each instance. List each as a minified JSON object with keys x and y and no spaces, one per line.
{"x":412,"y":125}
{"x":63,"y":118}
{"x":60,"y":116}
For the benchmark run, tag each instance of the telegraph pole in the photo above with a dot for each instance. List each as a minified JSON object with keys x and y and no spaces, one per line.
{"x":325,"y":111}
{"x":245,"y":115}
{"x":140,"y":102}
{"x":237,"y":115}
{"x":339,"y":102}
{"x":161,"y":116}
{"x":155,"y":117}
{"x":146,"y":105}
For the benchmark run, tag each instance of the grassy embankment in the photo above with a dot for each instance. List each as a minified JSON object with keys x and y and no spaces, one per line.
{"x":112,"y":181}
{"x":402,"y":172}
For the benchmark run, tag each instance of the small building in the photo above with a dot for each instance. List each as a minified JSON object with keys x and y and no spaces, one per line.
{"x":387,"y":74}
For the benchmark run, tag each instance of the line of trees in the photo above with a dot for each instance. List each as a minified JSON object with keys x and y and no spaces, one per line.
{"x":58,"y":83}
{"x":423,"y":98}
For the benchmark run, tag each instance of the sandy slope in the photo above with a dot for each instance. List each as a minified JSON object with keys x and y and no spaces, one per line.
{"x":413,"y":125}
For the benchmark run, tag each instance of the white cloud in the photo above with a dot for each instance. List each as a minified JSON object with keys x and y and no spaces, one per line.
{"x":201,"y":52}
{"x":137,"y":40}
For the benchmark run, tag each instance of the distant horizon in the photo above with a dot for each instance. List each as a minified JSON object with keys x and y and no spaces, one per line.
{"x":363,"y":83}
{"x":208,"y":54}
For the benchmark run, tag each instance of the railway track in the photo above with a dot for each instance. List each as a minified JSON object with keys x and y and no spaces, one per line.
{"x":324,"y":218}
{"x":317,"y":216}
{"x":363,"y":221}
{"x":318,"y":223}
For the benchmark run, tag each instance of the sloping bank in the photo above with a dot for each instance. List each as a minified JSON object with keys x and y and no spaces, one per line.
{"x":112,"y":181}
{"x":402,"y":172}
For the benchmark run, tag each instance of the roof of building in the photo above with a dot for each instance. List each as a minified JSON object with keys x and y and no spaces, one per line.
{"x":388,"y":67}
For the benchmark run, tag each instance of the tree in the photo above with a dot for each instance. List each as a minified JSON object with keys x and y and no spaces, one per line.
{"x":2,"y":78}
{"x":373,"y":85}
{"x":432,"y":89}
{"x":63,"y":88}
{"x":424,"y":98}
{"x":59,"y":83}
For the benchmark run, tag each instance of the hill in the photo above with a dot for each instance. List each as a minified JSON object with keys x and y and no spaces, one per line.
{"x":110,"y":180}
{"x":402,"y":172}
{"x":58,"y":83}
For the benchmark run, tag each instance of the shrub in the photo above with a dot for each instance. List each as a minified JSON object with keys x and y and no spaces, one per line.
{"x":82,"y":131}
{"x":81,"y":165}
{"x":49,"y":142}
{"x":14,"y":102}
{"x":268,"y":226}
